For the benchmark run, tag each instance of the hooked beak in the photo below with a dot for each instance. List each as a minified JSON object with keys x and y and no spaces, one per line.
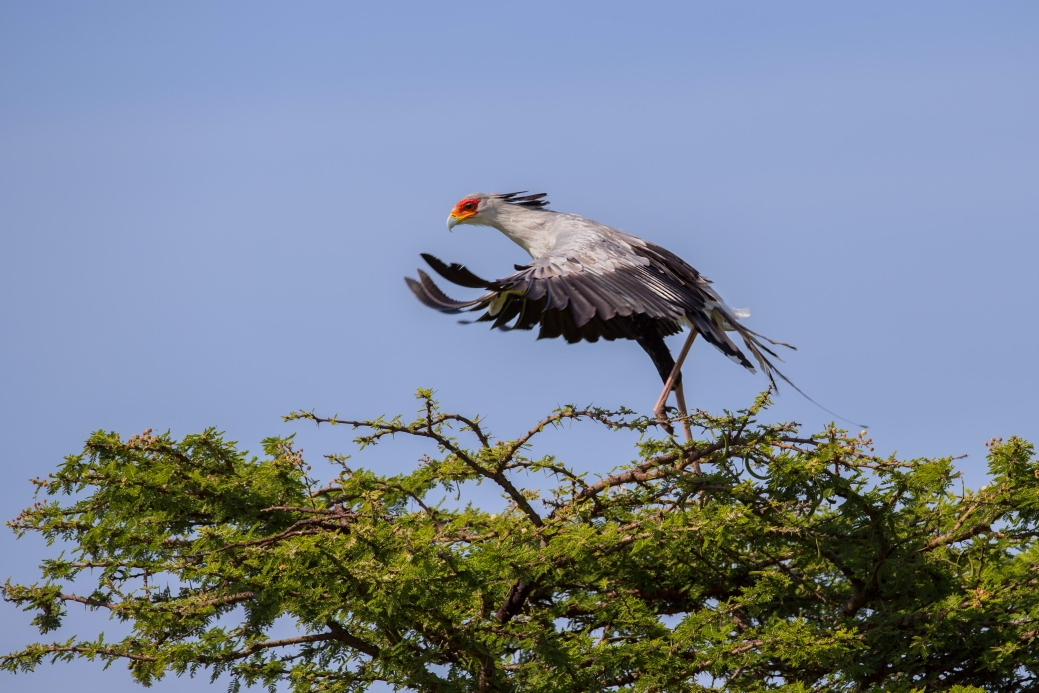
{"x":451,"y":221}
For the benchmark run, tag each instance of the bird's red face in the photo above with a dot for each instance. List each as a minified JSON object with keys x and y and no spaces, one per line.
{"x":465,"y":208}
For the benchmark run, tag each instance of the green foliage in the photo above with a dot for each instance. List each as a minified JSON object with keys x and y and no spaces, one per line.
{"x":752,"y":558}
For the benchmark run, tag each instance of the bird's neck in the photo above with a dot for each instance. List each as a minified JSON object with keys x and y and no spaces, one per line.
{"x":531,"y":229}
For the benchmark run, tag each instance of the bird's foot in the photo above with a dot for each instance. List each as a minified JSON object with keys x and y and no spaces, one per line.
{"x":665,"y":422}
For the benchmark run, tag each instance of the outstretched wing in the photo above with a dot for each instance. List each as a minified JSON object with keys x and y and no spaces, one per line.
{"x":596,"y":283}
{"x":576,"y":296}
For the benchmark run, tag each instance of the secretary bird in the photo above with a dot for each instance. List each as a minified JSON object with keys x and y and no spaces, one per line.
{"x":588,"y":280}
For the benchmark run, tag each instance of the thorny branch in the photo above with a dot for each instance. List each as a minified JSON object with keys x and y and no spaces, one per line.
{"x":754,"y":564}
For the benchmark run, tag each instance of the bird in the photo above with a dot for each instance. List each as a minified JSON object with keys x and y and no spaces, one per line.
{"x":588,"y":281}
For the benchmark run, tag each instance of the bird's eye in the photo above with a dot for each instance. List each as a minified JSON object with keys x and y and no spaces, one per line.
{"x":467,"y":207}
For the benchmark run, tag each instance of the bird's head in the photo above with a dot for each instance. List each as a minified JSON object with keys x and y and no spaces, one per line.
{"x":471,"y":209}
{"x":482,"y":209}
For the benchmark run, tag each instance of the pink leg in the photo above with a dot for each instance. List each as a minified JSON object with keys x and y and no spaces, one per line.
{"x":680,"y":400}
{"x":670,"y":384}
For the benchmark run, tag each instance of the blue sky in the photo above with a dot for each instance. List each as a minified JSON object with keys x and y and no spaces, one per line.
{"x":206,"y":210}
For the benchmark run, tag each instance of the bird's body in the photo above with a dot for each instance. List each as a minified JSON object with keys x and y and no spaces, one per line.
{"x":589,"y":281}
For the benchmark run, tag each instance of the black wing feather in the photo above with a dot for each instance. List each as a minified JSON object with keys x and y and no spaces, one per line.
{"x":644,"y":302}
{"x":455,"y":273}
{"x":430,"y":294}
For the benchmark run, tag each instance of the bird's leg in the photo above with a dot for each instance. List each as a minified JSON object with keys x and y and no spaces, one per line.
{"x":684,"y":413}
{"x":680,"y":399}
{"x":670,"y":384}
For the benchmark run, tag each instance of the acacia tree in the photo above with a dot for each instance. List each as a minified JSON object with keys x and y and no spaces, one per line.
{"x":753,"y":558}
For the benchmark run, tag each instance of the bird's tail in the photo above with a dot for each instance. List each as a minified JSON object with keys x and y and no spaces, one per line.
{"x":724,"y":320}
{"x":715,"y":322}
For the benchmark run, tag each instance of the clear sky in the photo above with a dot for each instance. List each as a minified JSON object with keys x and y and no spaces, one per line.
{"x":206,"y":210}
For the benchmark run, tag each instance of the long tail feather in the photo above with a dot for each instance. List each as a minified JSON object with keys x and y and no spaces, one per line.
{"x":751,"y":339}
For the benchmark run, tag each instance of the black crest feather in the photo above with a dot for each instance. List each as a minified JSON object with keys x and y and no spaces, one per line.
{"x":534,"y":201}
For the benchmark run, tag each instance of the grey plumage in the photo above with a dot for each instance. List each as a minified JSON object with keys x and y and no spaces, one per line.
{"x":589,"y":281}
